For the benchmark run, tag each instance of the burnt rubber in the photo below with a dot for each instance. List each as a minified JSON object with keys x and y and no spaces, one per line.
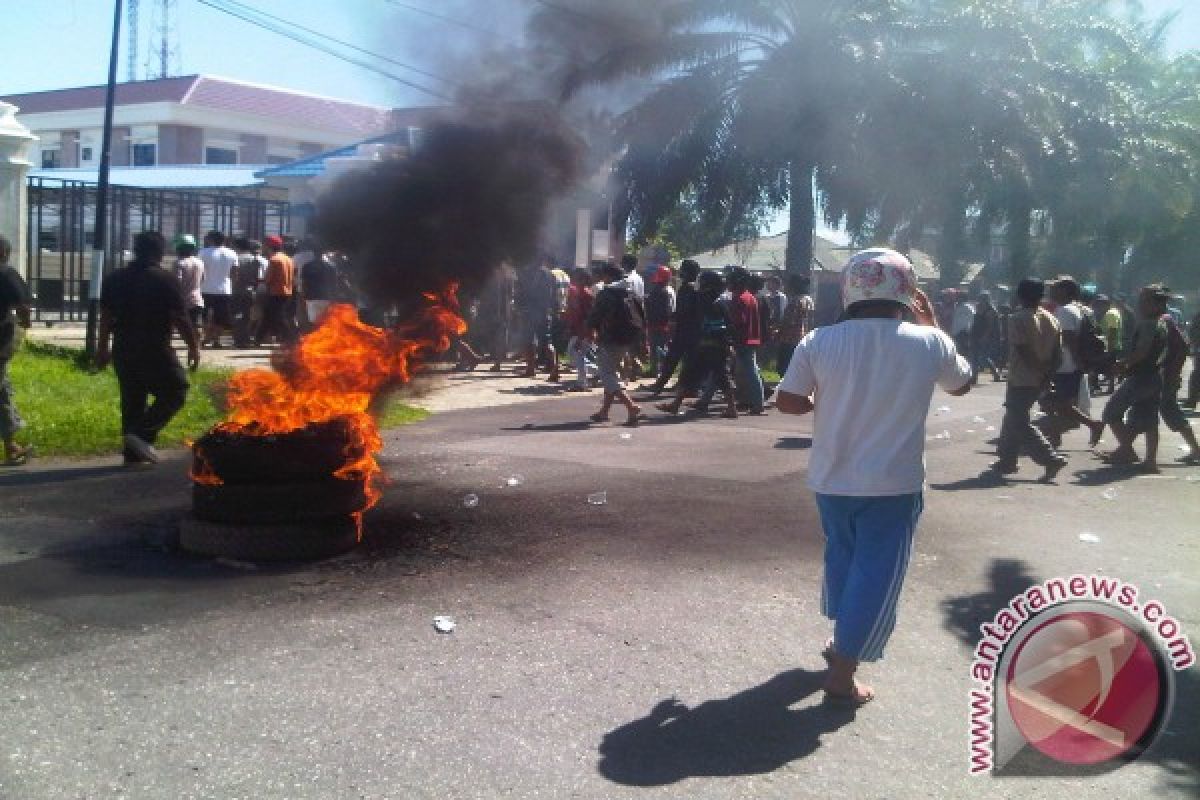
{"x":307,"y":454}
{"x":299,"y":541}
{"x":278,"y":502}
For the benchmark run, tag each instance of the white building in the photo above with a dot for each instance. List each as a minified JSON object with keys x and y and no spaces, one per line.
{"x":194,"y":119}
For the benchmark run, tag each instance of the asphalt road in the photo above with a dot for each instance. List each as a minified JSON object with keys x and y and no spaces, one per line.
{"x":663,"y":644}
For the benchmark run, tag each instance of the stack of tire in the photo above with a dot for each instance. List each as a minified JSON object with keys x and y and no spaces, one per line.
{"x":278,"y":499}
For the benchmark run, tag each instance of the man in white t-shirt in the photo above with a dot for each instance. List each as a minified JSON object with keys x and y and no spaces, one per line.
{"x":217,"y":288}
{"x":870,"y":380}
{"x":1062,"y":402}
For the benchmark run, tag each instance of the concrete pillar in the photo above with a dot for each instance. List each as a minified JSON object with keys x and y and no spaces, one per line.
{"x":15,"y":141}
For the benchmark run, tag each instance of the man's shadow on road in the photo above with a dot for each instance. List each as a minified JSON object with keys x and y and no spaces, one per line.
{"x":753,"y":732}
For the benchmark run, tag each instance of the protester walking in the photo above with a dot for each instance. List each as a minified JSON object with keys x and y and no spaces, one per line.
{"x":15,"y":303}
{"x":1034,"y":354}
{"x":140,"y":304}
{"x":795,"y":322}
{"x":1134,"y":407}
{"x":1062,"y":402}
{"x":873,"y":376}
{"x":747,"y":338}
{"x":1172,"y":376}
{"x":660,"y":309}
{"x":320,"y":282}
{"x":189,"y":269}
{"x":685,"y":327}
{"x":245,"y":304}
{"x":217,"y":287}
{"x":537,"y":304}
{"x":984,"y":338}
{"x":618,"y":320}
{"x":579,"y":346}
{"x":708,"y":363}
{"x":280,"y":277}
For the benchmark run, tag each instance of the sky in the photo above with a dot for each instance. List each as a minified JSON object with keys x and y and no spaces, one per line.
{"x":70,"y":46}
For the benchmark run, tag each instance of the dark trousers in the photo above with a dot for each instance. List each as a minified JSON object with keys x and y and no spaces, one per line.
{"x":783,"y":357}
{"x":141,"y":377}
{"x":1017,"y":432}
{"x":276,"y":319}
{"x":676,"y":352}
{"x":1193,"y":394}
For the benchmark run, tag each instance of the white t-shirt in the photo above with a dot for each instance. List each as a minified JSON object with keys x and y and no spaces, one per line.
{"x":1070,"y":318}
{"x":636,"y":284}
{"x":873,"y":380}
{"x":218,"y":263}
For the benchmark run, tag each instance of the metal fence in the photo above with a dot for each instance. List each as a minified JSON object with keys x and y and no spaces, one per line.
{"x":62,"y":221}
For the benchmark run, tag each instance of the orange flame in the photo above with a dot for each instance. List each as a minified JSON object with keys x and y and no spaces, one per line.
{"x":335,"y":371}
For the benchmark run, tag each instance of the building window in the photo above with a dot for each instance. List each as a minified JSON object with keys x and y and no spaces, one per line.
{"x":220,"y":155}
{"x":143,"y":155}
{"x":85,"y":154}
{"x":51,"y":159}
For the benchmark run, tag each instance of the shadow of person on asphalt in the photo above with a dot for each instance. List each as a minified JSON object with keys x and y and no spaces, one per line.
{"x":37,"y":477}
{"x":963,"y":615}
{"x":987,"y":479}
{"x":753,"y":732}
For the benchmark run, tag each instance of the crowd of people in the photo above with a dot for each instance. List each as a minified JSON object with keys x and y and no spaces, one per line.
{"x":618,"y":323}
{"x":256,"y":293}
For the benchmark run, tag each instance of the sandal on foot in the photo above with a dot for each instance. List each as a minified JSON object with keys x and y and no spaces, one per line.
{"x":1117,"y":460}
{"x":849,"y":700}
{"x":16,"y":459}
{"x":598,"y":417}
{"x":668,"y":408}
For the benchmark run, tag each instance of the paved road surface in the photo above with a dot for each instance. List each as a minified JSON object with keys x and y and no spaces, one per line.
{"x":130,"y":670}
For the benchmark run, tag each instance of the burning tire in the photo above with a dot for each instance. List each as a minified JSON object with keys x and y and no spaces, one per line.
{"x":298,"y":541}
{"x":310,"y":453}
{"x":279,"y":502}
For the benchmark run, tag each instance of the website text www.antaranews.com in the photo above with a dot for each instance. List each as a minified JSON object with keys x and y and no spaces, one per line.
{"x":1036,"y":599}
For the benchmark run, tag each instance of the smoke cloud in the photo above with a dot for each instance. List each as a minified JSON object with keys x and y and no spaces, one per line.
{"x":473,"y":195}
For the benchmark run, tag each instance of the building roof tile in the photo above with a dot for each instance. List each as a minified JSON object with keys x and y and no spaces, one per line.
{"x":220,"y":94}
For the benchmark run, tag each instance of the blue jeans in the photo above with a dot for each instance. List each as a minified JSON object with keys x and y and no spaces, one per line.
{"x":747,"y":376}
{"x":868,"y":541}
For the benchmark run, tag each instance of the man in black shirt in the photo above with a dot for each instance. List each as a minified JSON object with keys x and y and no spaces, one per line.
{"x":139,"y":305}
{"x":14,"y":311}
{"x":685,"y":334}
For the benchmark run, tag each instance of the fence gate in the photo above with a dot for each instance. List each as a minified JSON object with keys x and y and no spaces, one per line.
{"x":62,"y":221}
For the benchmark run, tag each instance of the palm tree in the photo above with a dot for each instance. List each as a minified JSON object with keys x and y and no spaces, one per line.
{"x":756,"y":101}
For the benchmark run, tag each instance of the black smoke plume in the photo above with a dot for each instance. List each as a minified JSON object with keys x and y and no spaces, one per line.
{"x":473,"y":195}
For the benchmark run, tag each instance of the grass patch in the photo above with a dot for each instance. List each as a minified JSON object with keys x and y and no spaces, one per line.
{"x":71,"y":410}
{"x":396,"y":414}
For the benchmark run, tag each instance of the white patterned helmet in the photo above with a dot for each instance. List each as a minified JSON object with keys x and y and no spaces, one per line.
{"x":878,"y":274}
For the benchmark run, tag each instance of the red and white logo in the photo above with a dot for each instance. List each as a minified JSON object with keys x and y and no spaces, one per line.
{"x":1084,"y":688}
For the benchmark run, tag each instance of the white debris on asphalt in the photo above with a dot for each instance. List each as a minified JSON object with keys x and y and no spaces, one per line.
{"x":1109,"y":494}
{"x":515,"y":480}
{"x":443,"y":624}
{"x":597,"y":498}
{"x":1090,"y":538}
{"x":471,"y":501}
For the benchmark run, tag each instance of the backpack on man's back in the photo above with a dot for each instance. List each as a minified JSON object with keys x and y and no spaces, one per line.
{"x":619,"y":316}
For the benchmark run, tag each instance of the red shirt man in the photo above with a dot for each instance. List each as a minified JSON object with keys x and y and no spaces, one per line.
{"x":747,"y":326}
